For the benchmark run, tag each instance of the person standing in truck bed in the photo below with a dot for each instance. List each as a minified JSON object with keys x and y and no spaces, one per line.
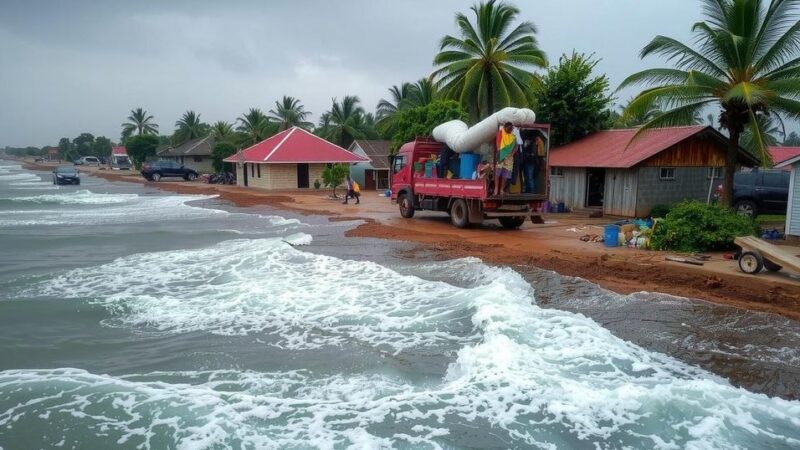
{"x":506,"y":144}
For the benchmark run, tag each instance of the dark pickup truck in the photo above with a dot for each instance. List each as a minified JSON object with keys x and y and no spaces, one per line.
{"x":155,"y":171}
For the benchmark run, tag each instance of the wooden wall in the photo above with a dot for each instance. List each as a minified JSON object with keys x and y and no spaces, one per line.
{"x":697,"y":151}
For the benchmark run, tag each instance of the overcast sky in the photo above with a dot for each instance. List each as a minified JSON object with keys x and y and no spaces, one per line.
{"x":75,"y":66}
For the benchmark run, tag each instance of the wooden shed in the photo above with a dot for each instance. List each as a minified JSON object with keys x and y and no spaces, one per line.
{"x":608,"y":171}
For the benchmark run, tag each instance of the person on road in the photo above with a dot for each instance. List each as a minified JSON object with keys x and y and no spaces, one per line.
{"x":353,"y":191}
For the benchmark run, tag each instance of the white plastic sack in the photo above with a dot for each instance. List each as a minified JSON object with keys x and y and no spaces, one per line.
{"x":462,"y":139}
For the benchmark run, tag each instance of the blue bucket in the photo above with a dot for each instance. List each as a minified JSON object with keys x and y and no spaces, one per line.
{"x":469,"y":164}
{"x":611,"y":235}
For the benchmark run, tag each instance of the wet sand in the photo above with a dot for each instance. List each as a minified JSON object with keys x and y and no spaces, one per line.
{"x":552,"y":246}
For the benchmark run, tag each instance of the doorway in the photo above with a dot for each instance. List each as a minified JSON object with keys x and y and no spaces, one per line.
{"x":369,"y":180}
{"x":302,"y":176}
{"x":245,"y":174}
{"x":595,"y":187}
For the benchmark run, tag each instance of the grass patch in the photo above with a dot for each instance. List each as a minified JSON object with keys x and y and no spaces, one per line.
{"x":770,"y":219}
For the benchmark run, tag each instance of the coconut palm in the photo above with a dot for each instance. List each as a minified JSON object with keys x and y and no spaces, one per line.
{"x":189,"y":127}
{"x":772,"y":129}
{"x":490,"y":65}
{"x":139,"y":121}
{"x":745,"y":62}
{"x":345,"y":121}
{"x":255,"y":125}
{"x":222,"y":130}
{"x":289,"y":112}
{"x":407,"y":95}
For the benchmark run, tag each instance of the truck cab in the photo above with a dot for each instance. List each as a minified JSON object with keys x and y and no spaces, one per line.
{"x":423,"y":180}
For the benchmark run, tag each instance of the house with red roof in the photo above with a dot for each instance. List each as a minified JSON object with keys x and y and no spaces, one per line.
{"x":292,"y":159}
{"x":781,"y":154}
{"x":608,"y":171}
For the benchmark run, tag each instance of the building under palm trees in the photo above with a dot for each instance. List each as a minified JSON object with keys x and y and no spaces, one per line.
{"x":607,"y":171}
{"x":373,"y":174}
{"x":291,"y":159}
{"x":194,"y":154}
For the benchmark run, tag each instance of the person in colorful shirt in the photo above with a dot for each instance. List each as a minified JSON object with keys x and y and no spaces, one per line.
{"x":506,"y":144}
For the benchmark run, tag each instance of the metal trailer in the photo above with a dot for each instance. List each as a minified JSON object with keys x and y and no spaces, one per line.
{"x":757,"y":255}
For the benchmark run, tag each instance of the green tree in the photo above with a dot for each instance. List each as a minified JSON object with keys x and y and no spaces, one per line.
{"x":420,"y":121}
{"x":221,"y":151}
{"x":333,"y":176}
{"x":66,"y":150}
{"x":344,"y":122}
{"x":489,"y":66}
{"x":83,"y":144}
{"x":140,"y":122}
{"x":222,"y":131}
{"x":772,"y":133}
{"x":289,"y":112}
{"x":141,"y":147}
{"x":101,"y":147}
{"x":793,"y":140}
{"x":406,"y":96}
{"x":573,"y":100}
{"x":189,"y":127}
{"x":745,"y":62}
{"x":256,"y":126}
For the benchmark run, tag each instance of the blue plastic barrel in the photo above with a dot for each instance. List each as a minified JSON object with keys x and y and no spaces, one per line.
{"x":611,"y":235}
{"x":429,"y":169}
{"x":469,"y":164}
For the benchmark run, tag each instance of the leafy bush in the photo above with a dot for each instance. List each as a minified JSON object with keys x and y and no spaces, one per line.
{"x":693,"y":226}
{"x":221,"y":151}
{"x":317,"y":184}
{"x":333,"y":175}
{"x":141,"y":147}
{"x":660,"y":211}
{"x":420,"y":121}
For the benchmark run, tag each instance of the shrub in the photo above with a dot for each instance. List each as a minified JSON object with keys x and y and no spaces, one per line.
{"x":221,"y":151}
{"x":334,"y":175}
{"x":317,"y":184}
{"x":660,"y":211}
{"x":693,"y":226}
{"x":420,"y":121}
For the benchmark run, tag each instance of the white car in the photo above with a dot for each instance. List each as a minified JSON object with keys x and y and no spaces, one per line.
{"x":88,"y":161}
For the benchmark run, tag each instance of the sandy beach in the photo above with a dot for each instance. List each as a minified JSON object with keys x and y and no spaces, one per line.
{"x":554,"y":245}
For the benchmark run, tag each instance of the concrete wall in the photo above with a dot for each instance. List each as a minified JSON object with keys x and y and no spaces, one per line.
{"x":689,"y":183}
{"x":205,"y":165}
{"x":277,"y":176}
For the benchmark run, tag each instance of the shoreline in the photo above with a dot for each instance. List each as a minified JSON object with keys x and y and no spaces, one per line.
{"x":621,"y":270}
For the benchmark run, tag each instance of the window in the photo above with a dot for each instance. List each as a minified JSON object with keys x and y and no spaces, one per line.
{"x":198,"y":159}
{"x":715,"y":172}
{"x":557,"y":171}
{"x":399,"y":163}
{"x":258,"y":166}
{"x":667,"y":173}
{"x":778,"y":180}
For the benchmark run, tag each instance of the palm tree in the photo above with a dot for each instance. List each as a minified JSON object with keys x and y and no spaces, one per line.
{"x":289,"y":112}
{"x":406,"y":96}
{"x":643,"y":116}
{"x":745,"y":62}
{"x":772,"y":133}
{"x":255,"y":125}
{"x":344,"y":122}
{"x":189,"y":127}
{"x":222,"y":130}
{"x":489,"y":66}
{"x":139,"y":121}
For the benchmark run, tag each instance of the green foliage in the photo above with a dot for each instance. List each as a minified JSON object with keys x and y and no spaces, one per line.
{"x":221,"y":151}
{"x":345,"y":122}
{"x":660,"y":211}
{"x":66,"y":150}
{"x":793,"y":140}
{"x":83,"y":144}
{"x":139,"y":122}
{"x":406,"y":96}
{"x":744,"y":61}
{"x":255,"y":126}
{"x":572,"y":99}
{"x":189,"y":127}
{"x":317,"y":184}
{"x":489,"y":65}
{"x":334,"y":175}
{"x":140,"y":147}
{"x":420,"y":121}
{"x":693,"y":226}
{"x":289,"y":112}
{"x":101,"y":147}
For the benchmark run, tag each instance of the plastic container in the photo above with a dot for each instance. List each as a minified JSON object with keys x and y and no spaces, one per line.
{"x":428,"y":169}
{"x":611,"y":235}
{"x":561,"y":207}
{"x":469,"y":164}
{"x":546,"y":207}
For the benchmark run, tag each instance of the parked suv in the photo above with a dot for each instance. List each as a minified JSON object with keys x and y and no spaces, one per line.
{"x":87,"y":161}
{"x":761,"y":192}
{"x":155,"y":171}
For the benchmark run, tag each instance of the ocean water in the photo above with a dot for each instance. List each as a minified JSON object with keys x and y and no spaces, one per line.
{"x":132,"y":318}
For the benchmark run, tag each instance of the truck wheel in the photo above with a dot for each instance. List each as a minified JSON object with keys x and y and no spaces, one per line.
{"x":751,"y":262}
{"x":459,"y":214}
{"x":406,"y":206}
{"x":511,"y":223}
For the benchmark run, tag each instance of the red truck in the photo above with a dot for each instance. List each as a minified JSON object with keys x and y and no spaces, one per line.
{"x":468,"y":201}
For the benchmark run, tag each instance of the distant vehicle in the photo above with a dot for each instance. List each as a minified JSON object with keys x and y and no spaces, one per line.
{"x":66,"y":175}
{"x":87,"y":161}
{"x":120,"y":162}
{"x":155,"y":171}
{"x":761,"y":192}
{"x":40,"y":159}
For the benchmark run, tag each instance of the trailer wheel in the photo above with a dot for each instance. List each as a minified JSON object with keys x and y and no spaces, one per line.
{"x":511,"y":223}
{"x":771,"y":266}
{"x":406,"y":206}
{"x":459,"y":214}
{"x":751,"y":262}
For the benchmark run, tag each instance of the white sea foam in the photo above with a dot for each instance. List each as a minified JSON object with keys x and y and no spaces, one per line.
{"x":82,"y":197}
{"x":19,"y":176}
{"x":534,"y":377}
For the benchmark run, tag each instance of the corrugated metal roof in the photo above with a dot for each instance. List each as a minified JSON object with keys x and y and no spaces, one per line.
{"x":781,"y":154}
{"x":610,"y":149}
{"x":295,"y":145}
{"x":376,"y":150}
{"x":201,"y":146}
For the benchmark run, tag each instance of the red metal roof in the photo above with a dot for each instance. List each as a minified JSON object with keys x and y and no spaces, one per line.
{"x":781,"y":154}
{"x":293,"y":146}
{"x":119,"y":151}
{"x":610,"y":149}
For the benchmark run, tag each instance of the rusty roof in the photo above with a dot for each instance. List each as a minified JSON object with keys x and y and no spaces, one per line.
{"x":376,"y":150}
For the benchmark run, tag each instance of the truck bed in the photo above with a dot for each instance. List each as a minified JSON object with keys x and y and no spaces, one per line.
{"x":458,"y":188}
